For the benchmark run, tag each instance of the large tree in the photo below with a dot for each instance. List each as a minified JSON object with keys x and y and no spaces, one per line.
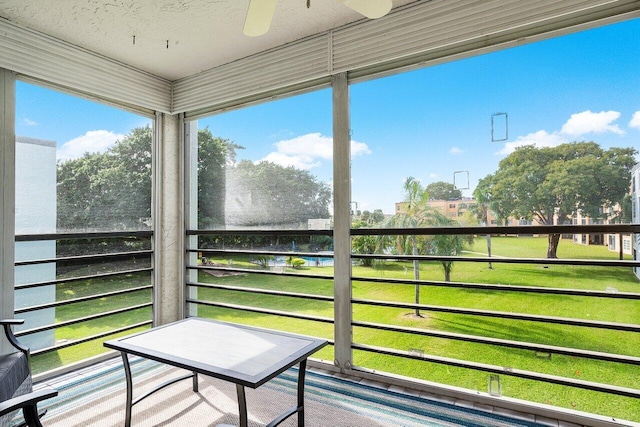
{"x":214,"y":156}
{"x":112,"y":190}
{"x":488,"y":194}
{"x":550,"y":185}
{"x":266,"y":193}
{"x":441,"y":190}
{"x":107,"y":191}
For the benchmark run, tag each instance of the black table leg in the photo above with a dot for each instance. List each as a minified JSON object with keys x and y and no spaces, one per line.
{"x":129,"y":403}
{"x":195,"y":381}
{"x":301,"y":375}
{"x":242,"y":405}
{"x":299,"y":408}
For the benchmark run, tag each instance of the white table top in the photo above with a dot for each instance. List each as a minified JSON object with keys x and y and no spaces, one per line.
{"x":237,"y":353}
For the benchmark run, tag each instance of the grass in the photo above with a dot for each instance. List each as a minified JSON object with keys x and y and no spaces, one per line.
{"x":69,"y":312}
{"x":572,"y":277}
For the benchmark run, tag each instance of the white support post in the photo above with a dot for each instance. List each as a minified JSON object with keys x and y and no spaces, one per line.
{"x":168,"y":220}
{"x":342,"y":222}
{"x":156,"y":216}
{"x":190,"y":132}
{"x":7,"y":207}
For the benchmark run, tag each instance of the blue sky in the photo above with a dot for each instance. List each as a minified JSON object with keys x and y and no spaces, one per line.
{"x":427,"y":123}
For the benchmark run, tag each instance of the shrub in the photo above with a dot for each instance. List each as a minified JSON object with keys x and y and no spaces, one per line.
{"x":296,"y":262}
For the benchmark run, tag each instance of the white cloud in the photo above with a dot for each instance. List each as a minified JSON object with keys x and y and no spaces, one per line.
{"x":433,"y":175}
{"x":311,"y":145}
{"x":539,"y":139}
{"x":635,"y":120}
{"x":590,"y":122}
{"x":94,"y":141}
{"x":455,"y":151}
{"x":297,"y":161}
{"x":359,"y":148}
{"x":30,"y":122}
{"x":308,"y":151}
{"x":578,"y":124}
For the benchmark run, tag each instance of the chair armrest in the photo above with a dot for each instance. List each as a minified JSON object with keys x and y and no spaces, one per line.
{"x":28,"y":399}
{"x":11,"y":321}
{"x":7,"y":323}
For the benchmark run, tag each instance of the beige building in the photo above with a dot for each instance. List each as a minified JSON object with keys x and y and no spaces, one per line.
{"x":453,"y":209}
{"x":456,"y":210}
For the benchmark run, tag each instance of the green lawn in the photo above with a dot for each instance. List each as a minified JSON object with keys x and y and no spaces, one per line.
{"x":67,"y":291}
{"x":572,"y":277}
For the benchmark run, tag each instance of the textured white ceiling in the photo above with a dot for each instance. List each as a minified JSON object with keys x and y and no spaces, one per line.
{"x":174,"y":38}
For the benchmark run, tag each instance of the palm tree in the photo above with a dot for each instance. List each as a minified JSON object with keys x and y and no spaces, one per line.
{"x":417,"y":213}
{"x":483,"y":197}
{"x":412,"y":216}
{"x":446,"y":245}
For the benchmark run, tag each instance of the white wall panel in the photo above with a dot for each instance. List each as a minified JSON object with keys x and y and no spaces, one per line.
{"x":7,"y":199}
{"x":438,"y":28}
{"x":287,"y":66}
{"x":41,"y":57}
{"x":419,"y":33}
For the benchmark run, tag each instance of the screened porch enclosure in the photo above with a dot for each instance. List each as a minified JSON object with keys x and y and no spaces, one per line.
{"x":245,"y":193}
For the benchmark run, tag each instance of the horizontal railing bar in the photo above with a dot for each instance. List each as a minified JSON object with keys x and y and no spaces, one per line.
{"x":83,"y":319}
{"x":588,"y":354}
{"x":531,"y":289}
{"x":329,"y":340}
{"x":82,"y":278}
{"x":262,"y":291}
{"x":504,"y":315}
{"x":90,"y":338}
{"x":251,"y":271}
{"x":82,"y":236}
{"x":260,"y":232}
{"x":503,"y":288}
{"x":497,"y":230}
{"x":588,"y":385}
{"x":85,"y":258}
{"x":82,"y":299}
{"x":261,"y":310}
{"x":432,"y":258}
{"x":505,"y":260}
{"x":267,"y":253}
{"x":479,"y":230}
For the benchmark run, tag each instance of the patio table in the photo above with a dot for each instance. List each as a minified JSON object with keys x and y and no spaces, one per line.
{"x":244,"y":355}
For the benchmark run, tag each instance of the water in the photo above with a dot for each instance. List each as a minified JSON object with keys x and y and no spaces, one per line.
{"x":318,"y":261}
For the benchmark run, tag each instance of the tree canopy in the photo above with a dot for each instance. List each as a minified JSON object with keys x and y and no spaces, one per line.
{"x":107,"y":191}
{"x":112,"y":190}
{"x":214,"y":156}
{"x":265,"y":193}
{"x":550,"y":185}
{"x":441,"y":190}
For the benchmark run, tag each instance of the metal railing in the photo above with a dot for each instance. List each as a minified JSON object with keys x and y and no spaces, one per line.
{"x":226,"y":253}
{"x":112,"y":279}
{"x":529,"y":318}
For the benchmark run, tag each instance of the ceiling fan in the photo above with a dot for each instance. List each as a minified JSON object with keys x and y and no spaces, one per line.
{"x":260,"y":12}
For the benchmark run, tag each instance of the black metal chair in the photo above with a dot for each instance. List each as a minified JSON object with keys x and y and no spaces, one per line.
{"x":16,"y":391}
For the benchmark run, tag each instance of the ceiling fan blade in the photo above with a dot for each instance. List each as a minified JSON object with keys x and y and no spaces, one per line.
{"x":370,"y":8}
{"x":259,"y":16}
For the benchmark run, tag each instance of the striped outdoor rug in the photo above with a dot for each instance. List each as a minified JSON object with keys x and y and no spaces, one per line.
{"x":97,"y":398}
